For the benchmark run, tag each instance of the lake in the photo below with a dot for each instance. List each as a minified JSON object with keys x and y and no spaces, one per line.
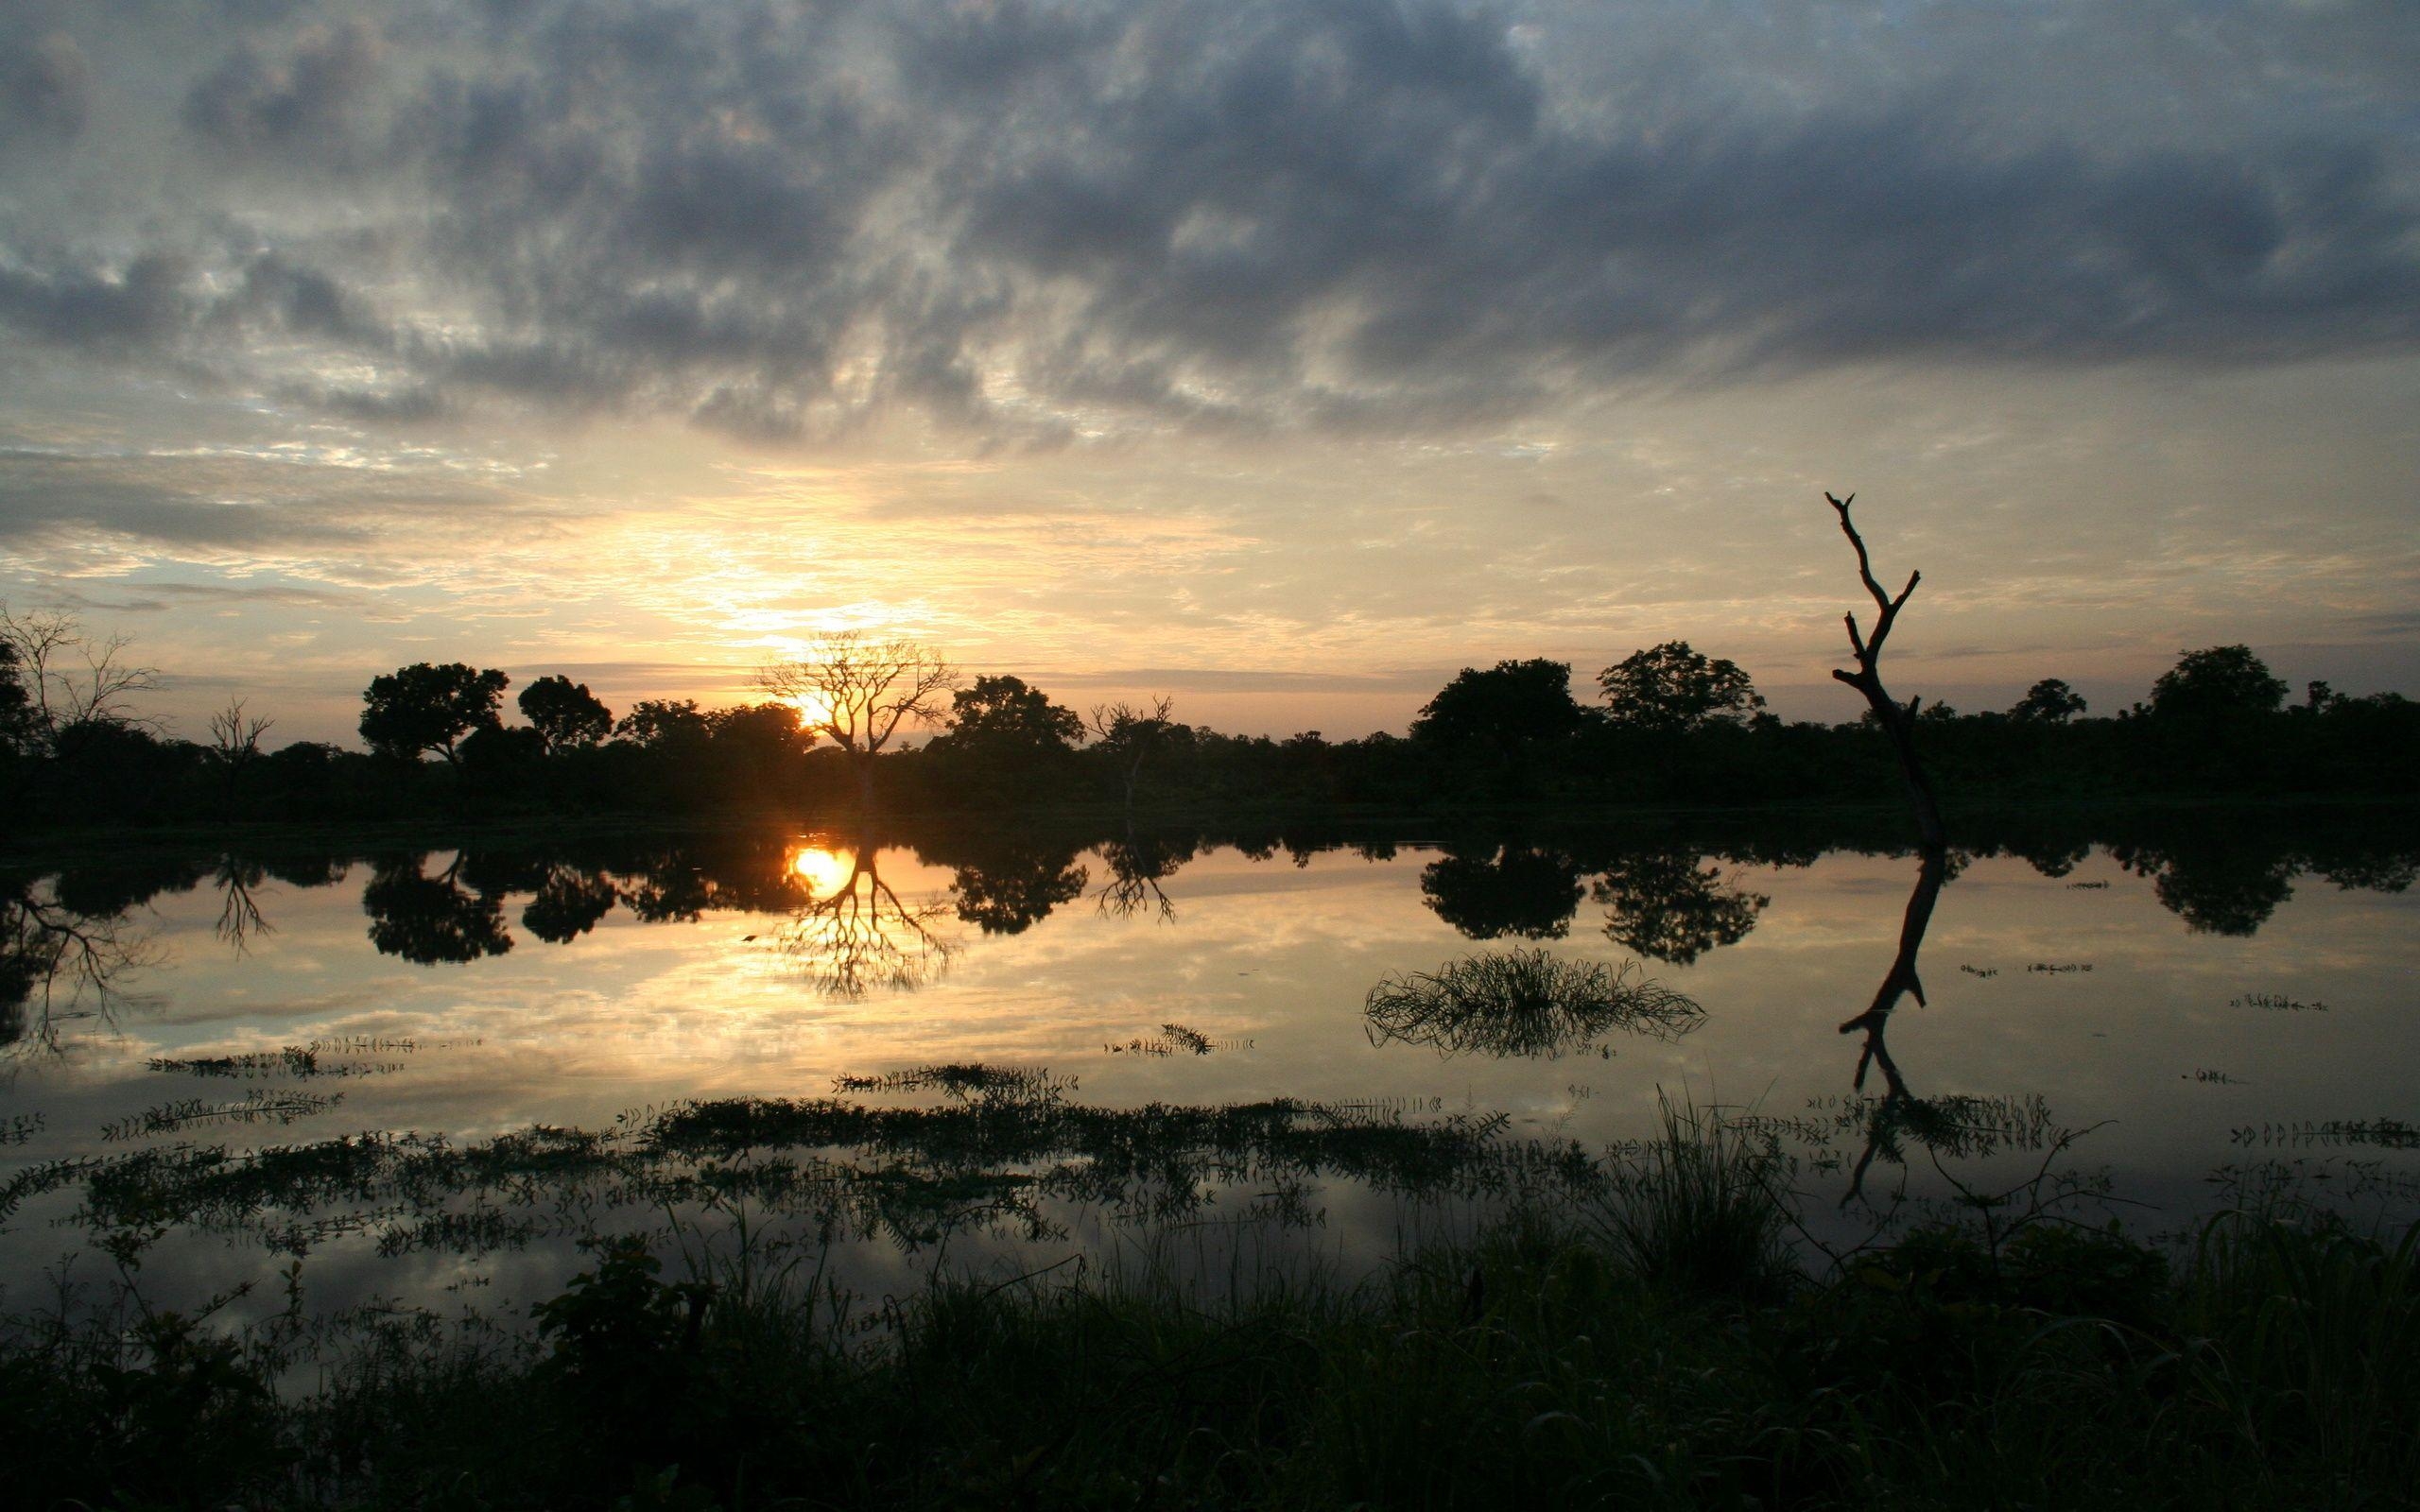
{"x":1398,"y":1023}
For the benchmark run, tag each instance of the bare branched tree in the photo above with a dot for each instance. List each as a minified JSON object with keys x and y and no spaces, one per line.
{"x":1899,"y":721}
{"x":860,"y":692}
{"x":72,"y":677}
{"x":1129,"y":735}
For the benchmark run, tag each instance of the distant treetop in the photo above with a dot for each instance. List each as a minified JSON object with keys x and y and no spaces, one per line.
{"x":1674,"y":687}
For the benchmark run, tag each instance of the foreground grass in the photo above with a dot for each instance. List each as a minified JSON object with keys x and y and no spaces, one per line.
{"x":1663,"y":1348}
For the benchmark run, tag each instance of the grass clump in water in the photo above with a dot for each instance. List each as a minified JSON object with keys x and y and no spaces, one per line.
{"x":1523,"y":1003}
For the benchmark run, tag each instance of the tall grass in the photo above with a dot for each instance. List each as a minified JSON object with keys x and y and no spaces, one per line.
{"x":1659,"y":1349}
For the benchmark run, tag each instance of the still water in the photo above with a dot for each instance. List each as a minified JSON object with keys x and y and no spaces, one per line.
{"x":2206,"y":999}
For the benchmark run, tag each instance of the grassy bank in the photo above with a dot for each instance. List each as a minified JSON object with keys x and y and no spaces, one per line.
{"x":1666,"y":1345}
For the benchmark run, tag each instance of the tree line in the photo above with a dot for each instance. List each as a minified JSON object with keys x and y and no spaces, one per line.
{"x":835,"y":728}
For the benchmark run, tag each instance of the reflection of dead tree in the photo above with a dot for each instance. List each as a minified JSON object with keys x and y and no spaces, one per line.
{"x":1135,"y":867}
{"x":239,"y":916}
{"x":862,"y":938}
{"x":1899,"y":721}
{"x":58,"y":964}
{"x":1899,"y":980}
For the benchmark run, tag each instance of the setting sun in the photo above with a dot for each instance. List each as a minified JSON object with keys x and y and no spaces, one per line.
{"x":824,"y":872}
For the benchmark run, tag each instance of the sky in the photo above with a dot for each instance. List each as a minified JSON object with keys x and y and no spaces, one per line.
{"x":1282,"y":357}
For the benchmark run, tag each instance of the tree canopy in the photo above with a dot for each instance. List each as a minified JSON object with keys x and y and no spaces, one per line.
{"x":1003,"y":716}
{"x":430,"y":706}
{"x":2218,"y":682}
{"x":1675,"y":687}
{"x":565,"y":714}
{"x":2049,"y":701}
{"x":1509,"y":703}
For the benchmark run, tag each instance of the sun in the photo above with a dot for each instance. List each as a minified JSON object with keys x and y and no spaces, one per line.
{"x":826,"y":872}
{"x":812,"y":711}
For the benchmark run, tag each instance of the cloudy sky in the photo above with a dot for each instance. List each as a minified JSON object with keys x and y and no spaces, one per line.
{"x":1284,"y":357}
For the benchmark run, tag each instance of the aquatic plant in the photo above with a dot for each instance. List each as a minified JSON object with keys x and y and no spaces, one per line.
{"x":1523,"y":1003}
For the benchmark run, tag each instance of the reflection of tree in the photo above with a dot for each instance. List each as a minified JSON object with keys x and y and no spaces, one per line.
{"x":861,"y":938}
{"x":2217,"y":888}
{"x":431,"y":919}
{"x":58,"y":964}
{"x":1016,"y":885}
{"x":1137,"y":865}
{"x":1519,"y":891}
{"x":567,"y":904}
{"x":1667,"y":907}
{"x":239,"y":916}
{"x":1898,"y":1108}
{"x":1523,"y":1002}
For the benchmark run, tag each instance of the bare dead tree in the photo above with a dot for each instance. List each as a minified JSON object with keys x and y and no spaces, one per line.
{"x":1129,"y":735}
{"x":234,"y":735}
{"x":72,"y":677}
{"x":1898,"y":723}
{"x":860,"y":692}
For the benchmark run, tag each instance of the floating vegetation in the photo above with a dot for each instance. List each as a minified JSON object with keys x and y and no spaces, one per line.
{"x":2219,"y":1078}
{"x":1176,"y":1039}
{"x":1958,"y":1126}
{"x":294,"y":1061}
{"x":2276,"y":1003}
{"x":963,"y":1080}
{"x":1981,"y":971}
{"x":18,"y":1128}
{"x":1523,"y":1003}
{"x":1006,"y":1147}
{"x":2378,"y":1133}
{"x":2086,"y":887}
{"x":281,"y":1107}
{"x":2058,"y":970}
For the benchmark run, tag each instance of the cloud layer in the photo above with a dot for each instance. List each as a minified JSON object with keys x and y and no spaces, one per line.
{"x":1028,"y":221}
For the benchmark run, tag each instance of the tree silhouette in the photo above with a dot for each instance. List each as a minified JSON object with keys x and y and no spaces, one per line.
{"x":66,"y":679}
{"x":655,"y":723}
{"x":860,"y":692}
{"x":2049,"y":701}
{"x":430,"y":706}
{"x":1002,"y":716}
{"x":1508,"y":705}
{"x":1126,"y":736}
{"x":1674,"y":688}
{"x":2217,"y":684}
{"x":565,"y":714}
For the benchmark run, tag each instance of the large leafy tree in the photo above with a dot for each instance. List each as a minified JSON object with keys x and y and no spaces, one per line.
{"x":663,"y":722}
{"x":2215,"y":684}
{"x":1675,"y":687}
{"x":1509,"y":703}
{"x":564,"y":714}
{"x":2049,"y":701}
{"x":430,"y":706}
{"x":1004,"y":715}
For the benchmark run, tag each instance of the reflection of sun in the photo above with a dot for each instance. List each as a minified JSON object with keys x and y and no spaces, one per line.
{"x":824,"y":872}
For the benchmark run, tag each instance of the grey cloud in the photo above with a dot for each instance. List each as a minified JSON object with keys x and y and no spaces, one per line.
{"x":1032,"y":219}
{"x":45,"y":85}
{"x":304,"y":107}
